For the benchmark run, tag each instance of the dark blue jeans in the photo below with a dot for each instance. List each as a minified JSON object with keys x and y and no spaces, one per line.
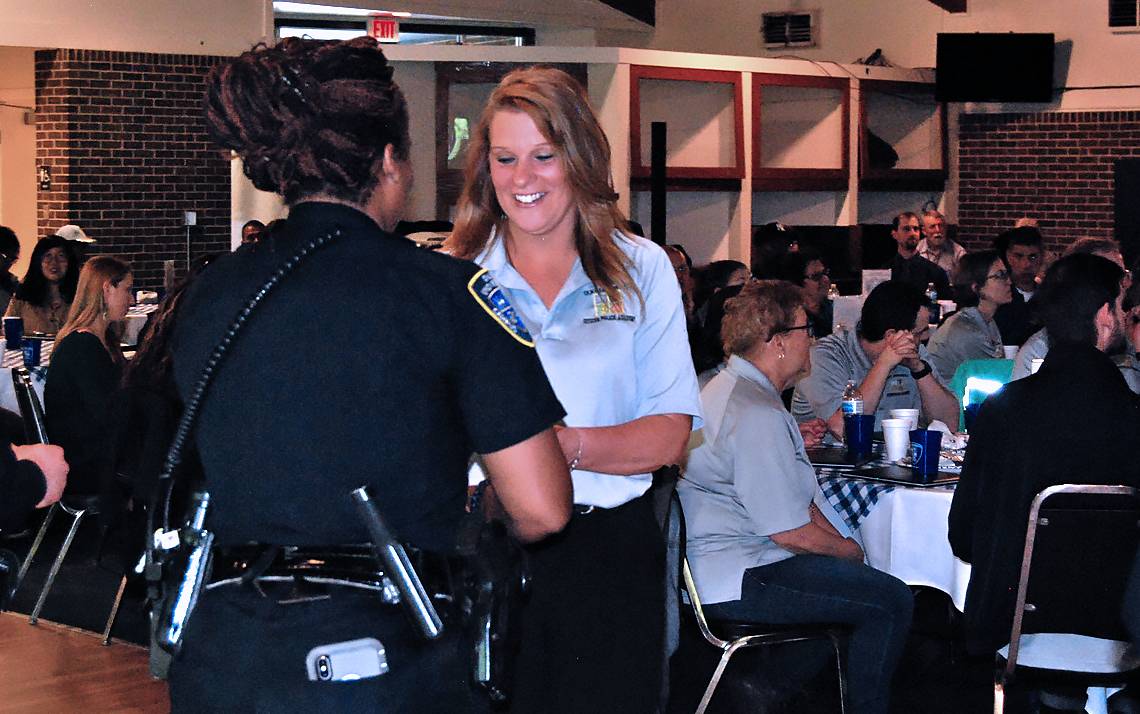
{"x":817,"y":588}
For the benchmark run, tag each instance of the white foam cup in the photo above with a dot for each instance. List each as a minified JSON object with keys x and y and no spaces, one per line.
{"x":896,"y":432}
{"x":909,"y":414}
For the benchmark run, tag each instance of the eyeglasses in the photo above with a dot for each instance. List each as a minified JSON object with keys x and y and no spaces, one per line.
{"x":999,"y":275}
{"x":817,"y":275}
{"x":808,"y":327}
{"x":1028,"y":257}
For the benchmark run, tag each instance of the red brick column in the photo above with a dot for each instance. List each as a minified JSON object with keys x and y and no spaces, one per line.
{"x":1054,"y":166}
{"x":123,"y":136}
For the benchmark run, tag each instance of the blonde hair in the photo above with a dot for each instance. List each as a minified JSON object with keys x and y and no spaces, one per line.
{"x":89,"y":306}
{"x":761,"y":310}
{"x":557,"y":104}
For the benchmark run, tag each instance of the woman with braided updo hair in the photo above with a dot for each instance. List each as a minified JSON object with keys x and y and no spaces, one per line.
{"x":372,"y":363}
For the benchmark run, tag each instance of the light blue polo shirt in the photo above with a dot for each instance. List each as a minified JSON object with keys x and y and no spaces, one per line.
{"x":609,"y":364}
{"x":749,"y":479}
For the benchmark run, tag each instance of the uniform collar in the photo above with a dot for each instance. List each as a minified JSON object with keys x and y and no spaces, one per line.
{"x":317,"y":214}
{"x":744,"y":369}
{"x":495,"y":259}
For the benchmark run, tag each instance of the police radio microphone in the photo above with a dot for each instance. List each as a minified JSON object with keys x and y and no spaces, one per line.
{"x":398,"y":567}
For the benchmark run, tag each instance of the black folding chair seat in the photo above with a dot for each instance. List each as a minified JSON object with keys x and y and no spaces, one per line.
{"x":729,"y":636}
{"x":77,"y":506}
{"x":1067,"y":627}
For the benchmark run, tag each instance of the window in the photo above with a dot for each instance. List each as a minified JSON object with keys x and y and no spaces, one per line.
{"x":788,"y":29}
{"x":1124,"y":13}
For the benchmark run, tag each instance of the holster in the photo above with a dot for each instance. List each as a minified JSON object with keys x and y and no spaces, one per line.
{"x":496,"y":584}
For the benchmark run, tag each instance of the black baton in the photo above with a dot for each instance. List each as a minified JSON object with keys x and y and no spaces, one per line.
{"x":399,"y":569}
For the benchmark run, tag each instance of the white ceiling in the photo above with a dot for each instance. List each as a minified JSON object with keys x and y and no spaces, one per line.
{"x":586,"y":14}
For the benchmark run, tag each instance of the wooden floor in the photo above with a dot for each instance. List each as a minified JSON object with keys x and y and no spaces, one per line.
{"x":52,"y":668}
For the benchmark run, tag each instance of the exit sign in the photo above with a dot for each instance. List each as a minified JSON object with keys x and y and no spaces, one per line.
{"x":384,"y":29}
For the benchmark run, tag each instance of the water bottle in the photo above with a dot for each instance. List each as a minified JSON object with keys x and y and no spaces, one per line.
{"x":852,"y":399}
{"x":935,"y":308}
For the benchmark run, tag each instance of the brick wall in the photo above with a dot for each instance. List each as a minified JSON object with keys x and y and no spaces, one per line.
{"x":123,"y":136}
{"x":1056,"y":167}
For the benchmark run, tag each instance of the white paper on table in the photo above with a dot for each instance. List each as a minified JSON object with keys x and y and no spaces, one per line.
{"x":871,"y":278}
{"x":845,"y":311}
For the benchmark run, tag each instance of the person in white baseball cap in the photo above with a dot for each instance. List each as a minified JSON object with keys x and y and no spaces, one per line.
{"x":75,"y":233}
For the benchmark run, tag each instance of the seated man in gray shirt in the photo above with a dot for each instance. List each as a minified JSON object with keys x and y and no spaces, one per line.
{"x":885,"y":358}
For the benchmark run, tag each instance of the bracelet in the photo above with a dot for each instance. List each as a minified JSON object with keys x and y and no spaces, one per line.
{"x":578,"y":456}
{"x":926,"y":369}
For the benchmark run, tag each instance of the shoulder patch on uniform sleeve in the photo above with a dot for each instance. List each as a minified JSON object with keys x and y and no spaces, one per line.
{"x":494,"y":301}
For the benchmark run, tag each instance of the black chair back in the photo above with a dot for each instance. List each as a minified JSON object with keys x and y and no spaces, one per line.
{"x":1079,"y":546}
{"x":667,"y":507}
{"x":35,"y":427}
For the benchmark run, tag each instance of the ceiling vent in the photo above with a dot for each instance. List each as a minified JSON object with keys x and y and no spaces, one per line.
{"x":789,"y":29}
{"x":1123,"y":14}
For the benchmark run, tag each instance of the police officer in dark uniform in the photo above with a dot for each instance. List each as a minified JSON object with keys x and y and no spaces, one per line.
{"x":373,"y":363}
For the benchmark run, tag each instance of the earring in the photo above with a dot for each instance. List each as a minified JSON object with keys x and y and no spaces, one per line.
{"x":781,"y":355}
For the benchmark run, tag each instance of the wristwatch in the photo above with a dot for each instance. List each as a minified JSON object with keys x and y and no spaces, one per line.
{"x":926,"y":369}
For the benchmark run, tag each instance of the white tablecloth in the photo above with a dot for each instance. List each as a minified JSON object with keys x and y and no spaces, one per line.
{"x":136,"y":320}
{"x":15,"y":358}
{"x":905,"y":534}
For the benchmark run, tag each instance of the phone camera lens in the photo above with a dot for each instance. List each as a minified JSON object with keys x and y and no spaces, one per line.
{"x":324,"y":668}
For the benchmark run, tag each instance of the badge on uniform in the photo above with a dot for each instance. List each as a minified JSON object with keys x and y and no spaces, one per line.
{"x":606,"y":308}
{"x":492,"y":299}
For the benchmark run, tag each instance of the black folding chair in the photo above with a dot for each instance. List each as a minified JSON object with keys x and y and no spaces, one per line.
{"x":1067,"y":628}
{"x":731,"y":636}
{"x":78,"y":507}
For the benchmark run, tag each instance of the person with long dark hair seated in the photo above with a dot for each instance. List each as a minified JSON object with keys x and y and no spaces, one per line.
{"x":713,"y":278}
{"x":982,"y":284}
{"x":762,"y":540}
{"x":84,"y":372}
{"x":408,"y":361}
{"x":539,"y":211}
{"x":44,"y":297}
{"x":805,"y":268}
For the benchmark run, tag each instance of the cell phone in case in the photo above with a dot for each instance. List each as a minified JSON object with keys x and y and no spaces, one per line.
{"x":347,"y":661}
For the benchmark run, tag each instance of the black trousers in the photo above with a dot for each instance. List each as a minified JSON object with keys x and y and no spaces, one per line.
{"x":592,"y":630}
{"x":245,"y":653}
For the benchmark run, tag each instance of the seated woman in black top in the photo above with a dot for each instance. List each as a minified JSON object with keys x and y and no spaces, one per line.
{"x":84,"y":371}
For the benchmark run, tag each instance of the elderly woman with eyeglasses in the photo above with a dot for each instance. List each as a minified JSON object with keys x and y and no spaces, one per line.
{"x":762,"y":541}
{"x":983,"y":285}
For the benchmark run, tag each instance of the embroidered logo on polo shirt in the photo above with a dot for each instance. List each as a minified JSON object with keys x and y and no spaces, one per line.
{"x":605,"y":308}
{"x":494,"y":301}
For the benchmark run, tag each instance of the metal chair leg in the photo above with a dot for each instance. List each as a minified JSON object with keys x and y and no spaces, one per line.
{"x":999,"y":693}
{"x":837,"y":646}
{"x":717,"y":674}
{"x":36,"y":545}
{"x":78,"y":517}
{"x":114,"y":611}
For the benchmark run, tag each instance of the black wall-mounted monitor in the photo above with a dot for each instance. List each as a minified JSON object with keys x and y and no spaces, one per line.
{"x":994,"y":67}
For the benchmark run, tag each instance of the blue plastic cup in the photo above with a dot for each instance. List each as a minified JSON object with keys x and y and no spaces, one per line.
{"x":925,"y":449}
{"x":858,"y":431}
{"x":31,"y":350}
{"x":13,"y":332}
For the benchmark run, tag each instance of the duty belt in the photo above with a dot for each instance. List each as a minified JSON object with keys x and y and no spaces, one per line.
{"x":256,"y":564}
